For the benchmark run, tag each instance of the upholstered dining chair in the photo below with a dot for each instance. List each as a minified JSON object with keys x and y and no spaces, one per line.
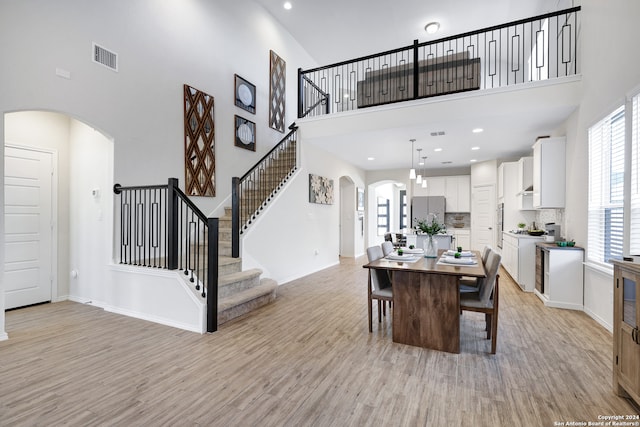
{"x":486,"y":299}
{"x":379,"y":286}
{"x":387,"y":247}
{"x":470,"y":284}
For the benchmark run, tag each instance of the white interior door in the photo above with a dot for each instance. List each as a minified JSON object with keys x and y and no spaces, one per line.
{"x":28,"y":226}
{"x":483,"y":216}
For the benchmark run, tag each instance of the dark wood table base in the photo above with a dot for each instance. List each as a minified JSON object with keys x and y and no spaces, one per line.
{"x":426,"y":310}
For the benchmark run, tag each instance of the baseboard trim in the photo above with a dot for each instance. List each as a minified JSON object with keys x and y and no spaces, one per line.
{"x":4,"y":336}
{"x":598,"y":319}
{"x":154,"y":319}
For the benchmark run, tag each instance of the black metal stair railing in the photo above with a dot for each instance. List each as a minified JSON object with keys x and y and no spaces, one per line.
{"x":159,"y":227}
{"x":251,"y":193}
{"x":539,"y":48}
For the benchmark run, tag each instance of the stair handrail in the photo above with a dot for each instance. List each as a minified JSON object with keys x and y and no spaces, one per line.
{"x":164,"y":219}
{"x":237,"y":185}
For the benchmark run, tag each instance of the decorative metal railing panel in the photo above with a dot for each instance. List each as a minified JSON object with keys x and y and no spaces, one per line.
{"x":160,"y":227}
{"x":539,"y":48}
{"x":251,"y":193}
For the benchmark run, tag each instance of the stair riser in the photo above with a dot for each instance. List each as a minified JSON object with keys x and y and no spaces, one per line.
{"x":225,"y":269}
{"x":239,"y":310}
{"x":231,"y":288}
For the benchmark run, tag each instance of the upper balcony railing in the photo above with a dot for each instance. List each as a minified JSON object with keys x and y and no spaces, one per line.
{"x":539,"y":48}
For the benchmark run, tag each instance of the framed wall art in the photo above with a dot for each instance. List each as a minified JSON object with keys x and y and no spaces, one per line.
{"x":277,"y":81}
{"x":360,"y":199}
{"x":199,"y":143}
{"x":245,"y":94}
{"x":245,"y":132}
{"x":320,"y":190}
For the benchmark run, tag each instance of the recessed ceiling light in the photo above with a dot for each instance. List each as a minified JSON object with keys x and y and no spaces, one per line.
{"x":432,"y":27}
{"x":477,"y":130}
{"x":473,"y":160}
{"x":371,"y":158}
{"x":287,"y":5}
{"x":437,"y":149}
{"x":475,"y":148}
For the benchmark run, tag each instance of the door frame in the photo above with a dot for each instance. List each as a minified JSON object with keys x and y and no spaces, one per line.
{"x":54,"y":209}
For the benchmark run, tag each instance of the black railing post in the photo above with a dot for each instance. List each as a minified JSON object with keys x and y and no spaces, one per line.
{"x":416,"y":69}
{"x":300,"y":94}
{"x":235,"y":217}
{"x":172,"y":224}
{"x":212,"y":275}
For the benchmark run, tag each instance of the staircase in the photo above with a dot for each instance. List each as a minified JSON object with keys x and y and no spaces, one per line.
{"x":239,"y":292}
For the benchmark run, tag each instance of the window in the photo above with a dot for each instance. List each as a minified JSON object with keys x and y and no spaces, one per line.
{"x":606,"y":188}
{"x":403,"y":209}
{"x":383,"y":216}
{"x":634,"y":235}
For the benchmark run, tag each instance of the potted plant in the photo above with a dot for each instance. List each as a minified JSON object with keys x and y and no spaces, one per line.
{"x":430,"y":227}
{"x":521,"y":226}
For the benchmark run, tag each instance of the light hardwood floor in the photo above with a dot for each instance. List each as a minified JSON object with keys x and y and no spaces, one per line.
{"x":306,"y":359}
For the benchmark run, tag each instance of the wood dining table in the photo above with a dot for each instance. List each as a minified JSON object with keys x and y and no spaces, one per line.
{"x":426,"y":300}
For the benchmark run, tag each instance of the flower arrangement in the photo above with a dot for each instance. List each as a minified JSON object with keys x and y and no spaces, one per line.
{"x":430,"y":227}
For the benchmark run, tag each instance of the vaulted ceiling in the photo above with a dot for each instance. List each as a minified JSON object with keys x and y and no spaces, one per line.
{"x":336,"y":30}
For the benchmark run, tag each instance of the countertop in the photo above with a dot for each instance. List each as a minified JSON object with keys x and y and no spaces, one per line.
{"x":522,"y":235}
{"x":548,"y":246}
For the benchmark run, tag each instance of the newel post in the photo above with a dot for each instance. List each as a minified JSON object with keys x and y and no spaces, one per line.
{"x":212,"y":275}
{"x":235,"y":217}
{"x":172,"y":224}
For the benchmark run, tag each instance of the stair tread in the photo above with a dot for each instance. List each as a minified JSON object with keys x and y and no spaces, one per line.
{"x":265,"y":287}
{"x":228,"y":279}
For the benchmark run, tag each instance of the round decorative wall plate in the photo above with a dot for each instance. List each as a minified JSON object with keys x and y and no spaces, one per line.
{"x":245,"y":134}
{"x":244,"y":94}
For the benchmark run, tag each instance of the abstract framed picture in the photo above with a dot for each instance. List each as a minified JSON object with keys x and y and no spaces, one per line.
{"x":245,"y":94}
{"x":245,"y":133}
{"x":277,"y":85}
{"x":320,"y":190}
{"x":360,"y":199}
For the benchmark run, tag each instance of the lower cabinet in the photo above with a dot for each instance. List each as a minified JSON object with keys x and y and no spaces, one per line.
{"x":461,"y":238}
{"x":559,"y":276}
{"x":519,"y":259}
{"x":626,"y":342}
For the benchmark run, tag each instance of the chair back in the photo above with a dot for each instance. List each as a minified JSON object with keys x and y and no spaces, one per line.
{"x":488,"y":283}
{"x":379,"y":278}
{"x":387,"y":248}
{"x":485,"y":253}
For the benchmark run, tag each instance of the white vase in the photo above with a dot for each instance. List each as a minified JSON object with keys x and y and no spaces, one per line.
{"x":430,"y":247}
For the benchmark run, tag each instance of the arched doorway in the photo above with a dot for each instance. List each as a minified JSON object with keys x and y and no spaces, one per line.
{"x":81,"y":204}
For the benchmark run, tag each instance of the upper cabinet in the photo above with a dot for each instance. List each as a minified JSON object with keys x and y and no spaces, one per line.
{"x":549,"y":173}
{"x":458,"y":193}
{"x":455,"y":189}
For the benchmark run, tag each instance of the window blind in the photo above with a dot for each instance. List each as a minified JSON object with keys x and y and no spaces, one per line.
{"x":606,"y":188}
{"x":634,"y":235}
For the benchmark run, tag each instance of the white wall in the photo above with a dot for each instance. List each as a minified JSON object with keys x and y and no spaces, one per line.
{"x":294,"y":238}
{"x":610,"y":66}
{"x":161,"y":46}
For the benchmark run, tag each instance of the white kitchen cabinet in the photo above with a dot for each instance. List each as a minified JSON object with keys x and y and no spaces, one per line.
{"x":519,"y":258}
{"x":461,"y":238}
{"x":525,"y":174}
{"x":436,"y":186}
{"x":549,"y":173}
{"x":559,"y":276}
{"x":458,"y":193}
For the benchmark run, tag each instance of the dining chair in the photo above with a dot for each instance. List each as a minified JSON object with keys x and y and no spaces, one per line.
{"x":485,"y":300}
{"x":379,"y":286}
{"x":387,"y":248}
{"x":470,"y":284}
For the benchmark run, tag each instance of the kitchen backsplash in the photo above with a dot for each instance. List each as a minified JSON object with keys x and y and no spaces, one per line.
{"x":457,"y":218}
{"x":544,"y":216}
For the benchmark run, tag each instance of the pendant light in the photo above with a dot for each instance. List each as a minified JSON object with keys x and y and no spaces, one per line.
{"x":424,"y":180}
{"x":419,"y":177}
{"x":412,"y":172}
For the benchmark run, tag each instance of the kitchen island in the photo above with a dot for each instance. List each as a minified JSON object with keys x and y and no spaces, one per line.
{"x":559,"y":275}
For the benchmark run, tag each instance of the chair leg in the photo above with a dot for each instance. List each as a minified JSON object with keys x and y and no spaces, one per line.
{"x":384,"y":308}
{"x":494,"y":332}
{"x":380,"y":311}
{"x":488,"y":324}
{"x":370,"y":315}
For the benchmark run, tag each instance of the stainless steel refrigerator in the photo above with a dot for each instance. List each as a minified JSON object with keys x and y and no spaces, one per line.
{"x":422,"y":206}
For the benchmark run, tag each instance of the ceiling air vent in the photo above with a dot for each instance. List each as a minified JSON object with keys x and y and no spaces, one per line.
{"x":438,"y":133}
{"x":105,"y":57}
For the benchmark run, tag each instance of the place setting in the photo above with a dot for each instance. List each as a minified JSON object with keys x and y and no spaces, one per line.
{"x":457,"y":257}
